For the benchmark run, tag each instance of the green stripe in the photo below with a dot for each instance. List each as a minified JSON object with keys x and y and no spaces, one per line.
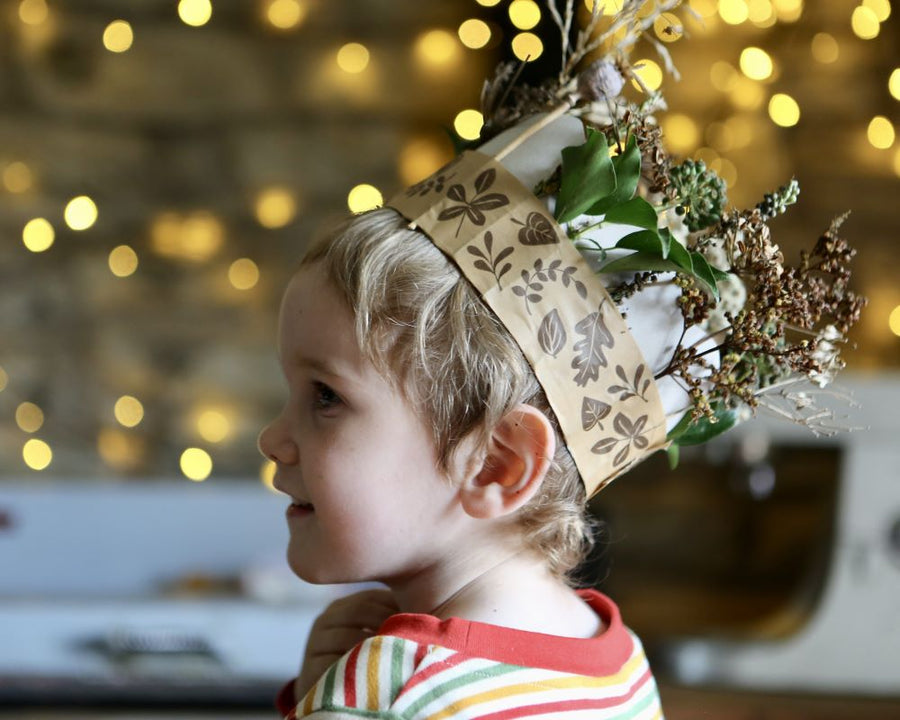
{"x":328,"y":687}
{"x":636,"y":710}
{"x":450,"y":685}
{"x":396,"y":667}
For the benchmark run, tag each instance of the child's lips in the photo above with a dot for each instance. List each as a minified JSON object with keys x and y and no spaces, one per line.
{"x":299,"y":509}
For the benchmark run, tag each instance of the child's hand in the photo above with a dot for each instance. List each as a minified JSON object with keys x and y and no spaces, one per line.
{"x":342,"y":625}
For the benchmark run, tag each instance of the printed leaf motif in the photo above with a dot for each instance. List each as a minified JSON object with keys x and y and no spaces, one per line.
{"x":552,"y":334}
{"x":592,"y":412}
{"x":473,"y":209}
{"x":487,"y":262}
{"x":631,"y":433}
{"x":485,"y":180}
{"x":587,"y":176}
{"x":631,"y":388}
{"x":590,"y":356}
{"x":537,"y":230}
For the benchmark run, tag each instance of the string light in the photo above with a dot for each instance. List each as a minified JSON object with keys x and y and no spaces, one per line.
{"x":468,"y":124}
{"x":488,"y":3}
{"x":756,"y":63}
{"x":746,"y":94}
{"x":894,"y":84}
{"x":123,"y":261}
{"x":650,"y":74}
{"x":880,"y":132}
{"x":784,"y":110}
{"x":33,"y":12}
{"x":608,"y":7}
{"x":213,"y":426}
{"x":120,"y":450}
{"x":680,"y":133}
{"x":195,"y":13}
{"x":37,"y":454}
{"x":4,"y":379}
{"x":668,"y":28}
{"x":17,"y":177}
{"x":894,"y":321}
{"x":419,"y":158}
{"x":723,"y":76}
{"x":286,"y":14}
{"x":761,"y":13}
{"x":80,"y":213}
{"x":881,"y":8}
{"x":788,"y":10}
{"x":243,"y":274}
{"x":128,"y":411}
{"x":195,"y":237}
{"x":527,"y":46}
{"x":524,"y":14}
{"x":734,"y":12}
{"x":275,"y":207}
{"x":118,"y":36}
{"x":825,"y":48}
{"x":364,"y":197}
{"x":474,"y":33}
{"x":196,"y":464}
{"x":864,"y":23}
{"x":353,"y":58}
{"x":437,"y":48}
{"x":29,"y":417}
{"x":38,"y":235}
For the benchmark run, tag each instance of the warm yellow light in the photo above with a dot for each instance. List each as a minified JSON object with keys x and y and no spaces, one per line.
{"x":419,"y":158}
{"x":17,"y":177}
{"x":734,"y":12}
{"x":195,"y":12}
{"x":243,"y":274}
{"x":353,"y":58}
{"x":881,"y":8}
{"x":195,"y":237}
{"x":29,"y":417}
{"x":527,"y":46}
{"x":474,"y":33}
{"x":37,"y":454}
{"x":756,"y":63}
{"x":364,"y":197}
{"x":894,"y":321}
{"x":524,"y":14}
{"x":880,"y":132}
{"x":723,"y":76}
{"x":704,"y":8}
{"x":38,"y":235}
{"x":680,"y":133}
{"x":196,"y":464}
{"x":720,"y":136}
{"x":825,"y":48}
{"x":865,"y":23}
{"x":286,"y":14}
{"x":275,"y":207}
{"x":747,"y":94}
{"x":896,"y":165}
{"x":213,"y":426}
{"x":468,"y":124}
{"x":488,"y":3}
{"x":33,"y":12}
{"x":761,"y":13}
{"x":607,"y":7}
{"x":123,"y":261}
{"x":894,"y":83}
{"x":437,"y":48}
{"x":784,"y":110}
{"x":119,"y":449}
{"x":4,"y":379}
{"x":80,"y":213}
{"x":788,"y":10}
{"x":726,"y":170}
{"x":650,"y":74}
{"x":267,"y":475}
{"x":128,"y":411}
{"x":118,"y":36}
{"x":668,"y":27}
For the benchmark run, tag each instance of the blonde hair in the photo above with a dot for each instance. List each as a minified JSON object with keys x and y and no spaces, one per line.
{"x":422,"y":324}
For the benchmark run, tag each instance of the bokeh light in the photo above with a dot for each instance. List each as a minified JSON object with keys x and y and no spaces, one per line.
{"x":488,"y":3}
{"x":864,"y":23}
{"x":788,"y":10}
{"x":120,"y":449}
{"x":756,"y":63}
{"x":38,"y":235}
{"x":353,"y":58}
{"x":784,"y":110}
{"x":123,"y":261}
{"x":37,"y":454}
{"x":649,"y":72}
{"x":275,"y":207}
{"x":668,"y":27}
{"x":364,"y":197}
{"x":880,"y":132}
{"x":118,"y":36}
{"x":881,"y":8}
{"x":195,"y":12}
{"x":29,"y":417}
{"x":243,"y":274}
{"x":80,"y":213}
{"x":825,"y":48}
{"x":524,"y":14}
{"x":4,"y":379}
{"x":17,"y":177}
{"x":474,"y":33}
{"x":33,"y":12}
{"x":527,"y":46}
{"x":468,"y":124}
{"x":196,"y":464}
{"x":437,"y":48}
{"x":129,"y":411}
{"x":747,"y":94}
{"x":734,"y":12}
{"x":723,"y":76}
{"x":285,"y":14}
{"x":894,"y":84}
{"x":419,"y":158}
{"x":213,"y":425}
{"x":680,"y":133}
{"x":607,"y":7}
{"x":894,"y":321}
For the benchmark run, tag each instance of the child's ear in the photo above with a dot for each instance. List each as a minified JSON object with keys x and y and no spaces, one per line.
{"x":518,"y":456}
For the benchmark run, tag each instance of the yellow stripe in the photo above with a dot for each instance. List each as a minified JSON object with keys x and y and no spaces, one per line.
{"x":310,"y":696}
{"x":372,"y":668}
{"x":567,"y":682}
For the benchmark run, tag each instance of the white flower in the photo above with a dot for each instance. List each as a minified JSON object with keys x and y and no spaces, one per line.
{"x":827,"y":356}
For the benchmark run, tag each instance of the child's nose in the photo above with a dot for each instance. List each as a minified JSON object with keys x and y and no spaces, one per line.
{"x":276,"y":444}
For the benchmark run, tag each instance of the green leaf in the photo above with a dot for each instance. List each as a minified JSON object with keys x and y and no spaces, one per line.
{"x":587,"y":176}
{"x":687,"y":432}
{"x":673,"y":451}
{"x":640,"y":262}
{"x":648,"y":242}
{"x":718,"y":274}
{"x":678,"y":254}
{"x":627,"y":166}
{"x":636,"y":211}
{"x":703,"y":271}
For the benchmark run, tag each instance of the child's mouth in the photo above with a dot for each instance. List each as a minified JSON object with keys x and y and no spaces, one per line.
{"x":299,"y":509}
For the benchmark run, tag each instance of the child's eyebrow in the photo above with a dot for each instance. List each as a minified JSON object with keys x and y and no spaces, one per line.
{"x":324,"y":366}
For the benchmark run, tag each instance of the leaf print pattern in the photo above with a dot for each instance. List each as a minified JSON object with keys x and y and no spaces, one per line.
{"x":592,"y":412}
{"x":533,"y":282}
{"x":631,"y":434}
{"x":433,"y":183}
{"x":589,"y":354}
{"x":552,"y":334}
{"x":536,"y":230}
{"x":488,"y":262}
{"x":631,"y":388}
{"x":473,"y":209}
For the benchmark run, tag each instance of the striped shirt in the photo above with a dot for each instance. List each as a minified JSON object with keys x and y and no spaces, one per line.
{"x":421,"y":668}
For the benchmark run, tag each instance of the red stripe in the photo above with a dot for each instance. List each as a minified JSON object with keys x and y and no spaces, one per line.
{"x":562,"y":706}
{"x":421,"y":652}
{"x":350,"y":678}
{"x":431,"y":671}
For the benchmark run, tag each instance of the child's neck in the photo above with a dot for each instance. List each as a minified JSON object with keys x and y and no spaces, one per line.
{"x":515,"y":591}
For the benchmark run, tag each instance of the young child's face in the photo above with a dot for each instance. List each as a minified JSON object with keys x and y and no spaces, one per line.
{"x":369,"y":500}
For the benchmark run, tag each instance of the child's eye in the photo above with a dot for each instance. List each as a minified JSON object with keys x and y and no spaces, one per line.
{"x":324,"y":397}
